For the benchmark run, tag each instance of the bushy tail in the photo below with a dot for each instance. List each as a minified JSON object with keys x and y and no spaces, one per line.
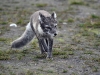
{"x":26,"y":37}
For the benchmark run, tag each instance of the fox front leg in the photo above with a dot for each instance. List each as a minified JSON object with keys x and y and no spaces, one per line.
{"x":43,"y":46}
{"x":50,"y":44}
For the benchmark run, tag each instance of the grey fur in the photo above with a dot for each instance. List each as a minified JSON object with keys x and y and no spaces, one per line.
{"x":24,"y":39}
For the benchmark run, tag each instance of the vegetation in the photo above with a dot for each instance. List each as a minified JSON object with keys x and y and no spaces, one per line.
{"x":76,"y":2}
{"x":41,"y":5}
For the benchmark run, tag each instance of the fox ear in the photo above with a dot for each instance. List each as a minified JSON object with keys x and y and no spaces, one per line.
{"x":41,"y":17}
{"x":54,"y":15}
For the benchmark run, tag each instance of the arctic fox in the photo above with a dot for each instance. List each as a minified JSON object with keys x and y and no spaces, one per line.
{"x":42,"y":25}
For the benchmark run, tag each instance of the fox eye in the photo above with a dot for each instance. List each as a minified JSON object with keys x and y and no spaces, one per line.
{"x":48,"y":28}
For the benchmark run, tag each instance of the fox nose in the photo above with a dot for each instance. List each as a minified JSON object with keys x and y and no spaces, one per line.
{"x":55,"y":34}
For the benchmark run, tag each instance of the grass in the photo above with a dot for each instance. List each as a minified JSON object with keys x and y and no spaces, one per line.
{"x":29,"y":73}
{"x":4,"y":55}
{"x":63,"y":52}
{"x":61,"y":40}
{"x":49,"y":71}
{"x":64,"y":71}
{"x":20,"y":21}
{"x":3,"y":22}
{"x":76,"y":2}
{"x":59,"y":53}
{"x":70,"y":20}
{"x":94,"y":69}
{"x":96,"y":59}
{"x":3,"y":39}
{"x":39,"y":56}
{"x":34,"y":44}
{"x":90,"y":28}
{"x":64,"y":56}
{"x":1,"y":9}
{"x":93,"y":16}
{"x":90,"y":25}
{"x":4,"y":29}
{"x":88,"y":52}
{"x":91,"y":22}
{"x":41,"y":5}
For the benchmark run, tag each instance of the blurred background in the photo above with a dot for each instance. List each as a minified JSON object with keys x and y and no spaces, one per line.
{"x":76,"y":49}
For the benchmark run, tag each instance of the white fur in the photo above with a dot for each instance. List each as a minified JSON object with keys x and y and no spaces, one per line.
{"x":55,"y":24}
{"x":28,"y":26}
{"x":39,"y":18}
{"x":13,"y":25}
{"x":55,"y":15}
{"x":40,"y":29}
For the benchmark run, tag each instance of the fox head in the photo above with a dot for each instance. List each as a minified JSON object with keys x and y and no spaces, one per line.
{"x":48,"y":24}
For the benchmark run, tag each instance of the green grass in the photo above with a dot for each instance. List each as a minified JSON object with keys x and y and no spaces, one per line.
{"x":64,"y":71}
{"x":63,"y":52}
{"x":88,"y":52}
{"x":91,"y":22}
{"x":3,"y":23}
{"x":96,"y":59}
{"x":93,"y":16}
{"x":3,"y":39}
{"x":49,"y":71}
{"x":64,"y":56}
{"x":4,"y":55}
{"x":41,"y":5}
{"x":20,"y":21}
{"x":76,"y":2}
{"x":29,"y":72}
{"x":39,"y":56}
{"x":70,"y":20}
{"x":60,"y":40}
{"x":34,"y":44}
{"x":94,"y":69}
{"x":59,"y":52}
{"x":1,"y":9}
{"x":70,"y":52}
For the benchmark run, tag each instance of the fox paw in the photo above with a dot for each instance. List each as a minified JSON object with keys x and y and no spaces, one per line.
{"x":49,"y":58}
